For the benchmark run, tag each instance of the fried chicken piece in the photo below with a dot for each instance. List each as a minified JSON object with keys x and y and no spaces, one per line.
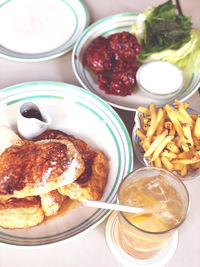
{"x":51,"y":202}
{"x":92,"y":187}
{"x":97,"y":56}
{"x":118,"y":83}
{"x":33,"y":168}
{"x":124,"y":45}
{"x":92,"y":181}
{"x":21,"y":212}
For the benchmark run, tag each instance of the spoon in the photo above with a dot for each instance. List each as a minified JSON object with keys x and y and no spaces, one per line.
{"x":111,"y":206}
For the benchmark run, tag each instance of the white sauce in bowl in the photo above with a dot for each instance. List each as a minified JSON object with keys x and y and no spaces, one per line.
{"x":160,"y":77}
{"x":35,"y":26}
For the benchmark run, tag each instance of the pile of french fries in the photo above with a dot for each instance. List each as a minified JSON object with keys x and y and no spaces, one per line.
{"x":170,"y":137}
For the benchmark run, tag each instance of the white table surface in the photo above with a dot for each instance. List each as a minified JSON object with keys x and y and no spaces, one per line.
{"x":91,"y":249}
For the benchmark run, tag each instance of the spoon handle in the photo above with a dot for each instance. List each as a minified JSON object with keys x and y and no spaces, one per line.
{"x":111,"y":206}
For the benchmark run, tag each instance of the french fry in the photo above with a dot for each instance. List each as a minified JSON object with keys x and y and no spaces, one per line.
{"x":158,"y":163}
{"x":184,"y":170}
{"x":188,"y":134}
{"x":140,"y":134}
{"x":195,"y":166}
{"x":183,"y":112}
{"x":185,"y":105}
{"x":155,"y":144}
{"x":185,"y":155}
{"x":160,"y":147}
{"x":168,"y":154}
{"x":143,"y":110}
{"x":172,"y":147}
{"x":178,"y":115}
{"x":186,"y":161}
{"x":194,"y":116}
{"x":152,"y":128}
{"x":145,"y":123}
{"x":178,"y":166}
{"x":172,"y":131}
{"x":185,"y":146}
{"x":196,"y":142}
{"x":168,"y":165}
{"x":146,"y":144}
{"x":197,"y":128}
{"x":174,"y":120}
{"x":160,"y":126}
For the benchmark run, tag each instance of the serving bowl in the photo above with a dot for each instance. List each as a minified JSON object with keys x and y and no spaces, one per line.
{"x":75,"y":111}
{"x":160,"y":79}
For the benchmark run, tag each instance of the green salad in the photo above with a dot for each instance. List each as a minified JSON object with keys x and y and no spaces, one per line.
{"x":166,"y":35}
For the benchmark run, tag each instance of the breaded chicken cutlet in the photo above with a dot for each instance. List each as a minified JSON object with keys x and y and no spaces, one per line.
{"x":32,"y":168}
{"x":21,"y":212}
{"x":91,"y":183}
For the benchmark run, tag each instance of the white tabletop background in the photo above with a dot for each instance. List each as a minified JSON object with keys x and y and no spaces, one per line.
{"x":91,"y":249}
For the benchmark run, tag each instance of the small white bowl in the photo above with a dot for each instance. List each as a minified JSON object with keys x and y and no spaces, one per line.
{"x":160,"y":79}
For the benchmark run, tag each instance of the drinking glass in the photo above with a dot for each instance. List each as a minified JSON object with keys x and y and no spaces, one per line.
{"x":165,"y":200}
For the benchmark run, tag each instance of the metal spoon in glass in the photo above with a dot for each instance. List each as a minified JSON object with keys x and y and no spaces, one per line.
{"x":111,"y":206}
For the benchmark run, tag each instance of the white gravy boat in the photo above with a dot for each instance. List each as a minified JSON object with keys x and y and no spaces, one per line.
{"x":32,"y":120}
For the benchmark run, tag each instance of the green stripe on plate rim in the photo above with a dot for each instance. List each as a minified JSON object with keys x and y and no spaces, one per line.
{"x":116,"y":117}
{"x":192,"y":79}
{"x":32,"y":97}
{"x":53,"y":52}
{"x":117,"y":28}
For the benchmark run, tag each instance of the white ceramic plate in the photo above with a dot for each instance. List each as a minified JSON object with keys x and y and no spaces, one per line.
{"x":105,"y":27}
{"x":36,"y":30}
{"x":81,"y":113}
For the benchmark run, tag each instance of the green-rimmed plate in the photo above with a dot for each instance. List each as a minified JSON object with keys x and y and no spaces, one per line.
{"x":105,"y":27}
{"x":83,"y":114}
{"x":35,"y":30}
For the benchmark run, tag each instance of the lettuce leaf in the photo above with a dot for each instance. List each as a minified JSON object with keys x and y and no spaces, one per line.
{"x":162,"y":29}
{"x":186,"y":57}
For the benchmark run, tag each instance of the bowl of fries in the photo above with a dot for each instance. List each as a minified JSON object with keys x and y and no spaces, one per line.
{"x":168,"y":138}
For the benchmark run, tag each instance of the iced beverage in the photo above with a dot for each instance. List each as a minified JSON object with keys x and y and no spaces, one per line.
{"x":165,"y":201}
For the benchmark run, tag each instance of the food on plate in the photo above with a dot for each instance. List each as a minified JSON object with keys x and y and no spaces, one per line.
{"x":170,"y":137}
{"x":160,"y":79}
{"x":32,"y":168}
{"x":21,"y":212}
{"x":168,"y":36}
{"x":91,"y":183}
{"x":113,"y":60}
{"x":98,"y":57}
{"x":34,"y":176}
{"x":51,"y":202}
